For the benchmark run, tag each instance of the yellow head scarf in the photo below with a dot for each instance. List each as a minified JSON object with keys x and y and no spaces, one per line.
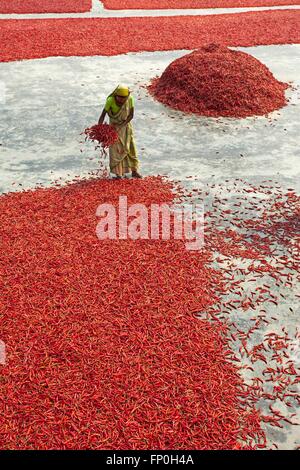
{"x":121,"y":90}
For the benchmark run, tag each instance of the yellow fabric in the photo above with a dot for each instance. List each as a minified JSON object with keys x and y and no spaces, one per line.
{"x":122,"y":90}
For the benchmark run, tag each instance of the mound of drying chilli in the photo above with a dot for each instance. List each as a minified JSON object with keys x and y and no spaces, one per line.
{"x":166,"y":4}
{"x":46,"y":6}
{"x":100,"y":355}
{"x":216,"y":81}
{"x":104,"y":134}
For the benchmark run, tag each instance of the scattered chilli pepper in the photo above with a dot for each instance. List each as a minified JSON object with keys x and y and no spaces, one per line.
{"x":111,"y":36}
{"x":111,"y":360}
{"x":99,"y":355}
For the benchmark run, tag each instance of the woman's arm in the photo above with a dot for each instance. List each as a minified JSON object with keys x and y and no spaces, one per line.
{"x":102,"y":117}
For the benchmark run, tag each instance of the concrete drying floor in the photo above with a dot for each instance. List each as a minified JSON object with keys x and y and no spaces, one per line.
{"x":47,"y":103}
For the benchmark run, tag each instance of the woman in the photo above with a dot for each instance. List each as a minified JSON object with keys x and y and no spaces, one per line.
{"x":122,"y":155}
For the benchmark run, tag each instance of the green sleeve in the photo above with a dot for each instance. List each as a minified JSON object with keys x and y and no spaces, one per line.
{"x":108,"y":103}
{"x":131,"y":102}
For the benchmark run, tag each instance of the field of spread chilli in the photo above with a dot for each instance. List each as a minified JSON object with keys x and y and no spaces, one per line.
{"x":149,"y":225}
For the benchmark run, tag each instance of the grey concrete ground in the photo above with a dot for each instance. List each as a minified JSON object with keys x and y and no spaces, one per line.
{"x":47,"y":103}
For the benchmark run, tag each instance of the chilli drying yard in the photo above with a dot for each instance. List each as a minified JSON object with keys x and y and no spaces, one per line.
{"x":143,"y":344}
